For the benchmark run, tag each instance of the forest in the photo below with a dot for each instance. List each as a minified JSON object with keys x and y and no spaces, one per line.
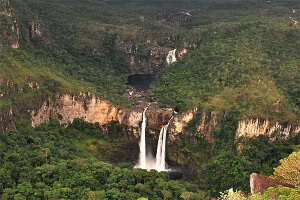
{"x":242,"y":59}
{"x":53,"y":162}
{"x":248,"y":67}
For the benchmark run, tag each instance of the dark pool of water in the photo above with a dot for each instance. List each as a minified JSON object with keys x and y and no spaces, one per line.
{"x":141,"y":82}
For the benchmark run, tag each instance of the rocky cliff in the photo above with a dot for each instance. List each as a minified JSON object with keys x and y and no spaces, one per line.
{"x":207,"y":121}
{"x":66,"y":107}
{"x":9,"y":29}
{"x":260,"y":183}
{"x":11,"y":32}
{"x":248,"y":127}
{"x":149,"y":56}
{"x":255,"y":127}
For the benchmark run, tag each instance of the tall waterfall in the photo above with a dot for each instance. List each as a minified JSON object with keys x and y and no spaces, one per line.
{"x":160,"y":164}
{"x":142,"y":159}
{"x":171,"y":57}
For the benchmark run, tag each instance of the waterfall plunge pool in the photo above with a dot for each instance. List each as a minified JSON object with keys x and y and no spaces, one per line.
{"x":141,"y":82}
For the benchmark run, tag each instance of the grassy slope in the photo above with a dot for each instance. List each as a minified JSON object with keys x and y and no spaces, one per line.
{"x":21,"y":67}
{"x":74,"y":29}
{"x":252,"y":66}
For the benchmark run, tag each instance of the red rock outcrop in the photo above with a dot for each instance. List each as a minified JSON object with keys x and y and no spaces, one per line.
{"x":260,"y":183}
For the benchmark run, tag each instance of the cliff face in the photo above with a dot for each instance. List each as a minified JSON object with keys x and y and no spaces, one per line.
{"x":9,"y":29}
{"x":208,"y":121}
{"x":11,"y":32}
{"x":65,"y":108}
{"x":248,"y":127}
{"x":256,"y":127}
{"x":148,"y":56}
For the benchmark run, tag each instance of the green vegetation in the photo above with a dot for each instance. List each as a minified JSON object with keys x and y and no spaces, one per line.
{"x":251,"y":67}
{"x":247,"y":56}
{"x":279,"y":193}
{"x":287,"y":172}
{"x":227,"y":162}
{"x":243,"y":59}
{"x":52,"y":162}
{"x":85,"y":73}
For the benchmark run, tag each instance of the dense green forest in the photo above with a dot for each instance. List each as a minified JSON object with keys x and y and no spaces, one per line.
{"x":243,"y":59}
{"x":247,"y":50}
{"x":51,"y":161}
{"x":228,"y":163}
{"x":252,"y":67}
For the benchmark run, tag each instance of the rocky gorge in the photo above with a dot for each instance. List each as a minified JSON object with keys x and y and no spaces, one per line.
{"x":66,"y":107}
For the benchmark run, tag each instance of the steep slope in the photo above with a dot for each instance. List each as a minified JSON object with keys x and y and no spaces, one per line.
{"x":252,"y":67}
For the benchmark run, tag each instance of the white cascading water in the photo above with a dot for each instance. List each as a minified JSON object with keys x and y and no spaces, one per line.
{"x":159,"y":148}
{"x":171,"y":57}
{"x":160,"y":164}
{"x":142,"y":159}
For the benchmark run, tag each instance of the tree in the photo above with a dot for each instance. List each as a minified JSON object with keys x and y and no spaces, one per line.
{"x":186,"y":195}
{"x":289,"y":169}
{"x":166,"y":194}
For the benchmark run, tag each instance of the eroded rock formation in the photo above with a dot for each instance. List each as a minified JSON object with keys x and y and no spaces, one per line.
{"x":208,"y":121}
{"x":9,"y":29}
{"x":256,"y":127}
{"x":66,"y":107}
{"x":247,"y":127}
{"x":260,"y":183}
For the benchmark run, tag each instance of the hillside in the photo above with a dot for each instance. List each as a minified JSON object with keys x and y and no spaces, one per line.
{"x":73,"y":127}
{"x":252,"y":67}
{"x":245,"y":58}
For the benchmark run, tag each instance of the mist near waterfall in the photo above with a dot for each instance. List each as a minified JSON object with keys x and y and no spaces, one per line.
{"x":146,"y":159}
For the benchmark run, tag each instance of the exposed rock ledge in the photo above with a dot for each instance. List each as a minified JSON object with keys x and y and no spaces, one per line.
{"x":260,"y":183}
{"x":248,"y":127}
{"x":66,"y":107}
{"x":256,"y":127}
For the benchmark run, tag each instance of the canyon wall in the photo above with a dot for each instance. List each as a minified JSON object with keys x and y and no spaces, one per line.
{"x":9,"y":29}
{"x":11,"y":32}
{"x":255,"y":127}
{"x":206,"y":122}
{"x":66,"y":107}
{"x":149,"y":56}
{"x":248,"y":127}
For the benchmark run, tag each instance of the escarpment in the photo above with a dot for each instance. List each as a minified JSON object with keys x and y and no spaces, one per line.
{"x":255,"y":127}
{"x":9,"y":29}
{"x":12,"y":33}
{"x":247,"y":127}
{"x":66,"y":107}
{"x":149,"y":56}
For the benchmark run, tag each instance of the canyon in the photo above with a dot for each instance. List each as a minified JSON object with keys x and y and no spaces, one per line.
{"x":66,"y":107}
{"x":145,"y":56}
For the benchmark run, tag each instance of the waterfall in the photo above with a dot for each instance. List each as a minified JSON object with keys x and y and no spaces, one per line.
{"x":171,"y":57}
{"x":159,"y":148}
{"x":160,"y":164}
{"x":142,"y":144}
{"x":146,"y":161}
